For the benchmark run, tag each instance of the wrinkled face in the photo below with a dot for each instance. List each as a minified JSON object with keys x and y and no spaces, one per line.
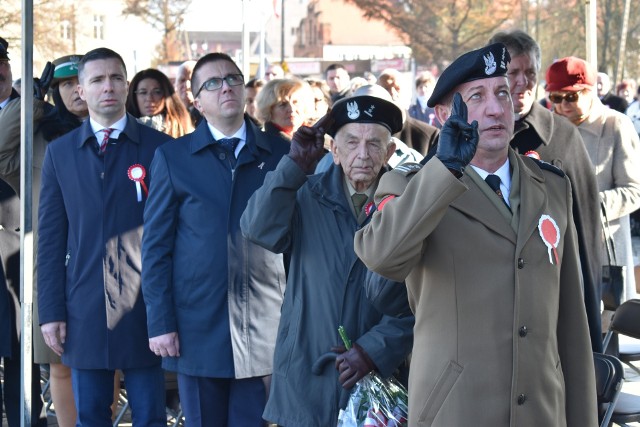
{"x":69,"y":93}
{"x":292,"y":112}
{"x":182,"y":85}
{"x":103,"y":85}
{"x":225,"y":103}
{"x":6,"y":79}
{"x":362,"y":149}
{"x":523,"y":77}
{"x":150,"y":97}
{"x":250,"y":101}
{"x":574,"y":111}
{"x":489,"y":102}
{"x":338,"y":80}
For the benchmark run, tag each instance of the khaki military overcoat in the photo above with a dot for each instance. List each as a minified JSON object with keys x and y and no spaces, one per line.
{"x":501,"y":335}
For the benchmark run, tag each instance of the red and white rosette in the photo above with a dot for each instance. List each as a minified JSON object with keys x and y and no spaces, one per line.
{"x":533,"y":154}
{"x":550,"y":234}
{"x":369,"y":207}
{"x":137,"y":173}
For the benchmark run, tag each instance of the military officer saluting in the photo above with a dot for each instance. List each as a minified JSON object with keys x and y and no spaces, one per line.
{"x":493,"y":275}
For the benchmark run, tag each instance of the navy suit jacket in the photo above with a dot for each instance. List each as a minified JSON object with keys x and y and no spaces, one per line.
{"x":90,"y":231}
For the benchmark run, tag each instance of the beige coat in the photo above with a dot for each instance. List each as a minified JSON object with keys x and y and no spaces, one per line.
{"x":501,"y":335}
{"x":614,"y":149}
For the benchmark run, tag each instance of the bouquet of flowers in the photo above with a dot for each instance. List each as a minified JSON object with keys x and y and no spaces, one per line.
{"x":374,"y":401}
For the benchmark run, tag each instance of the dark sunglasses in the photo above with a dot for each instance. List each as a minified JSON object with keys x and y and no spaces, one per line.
{"x":557,"y":98}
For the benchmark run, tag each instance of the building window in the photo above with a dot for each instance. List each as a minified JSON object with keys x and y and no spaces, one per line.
{"x":65,"y":30}
{"x":98,"y":27}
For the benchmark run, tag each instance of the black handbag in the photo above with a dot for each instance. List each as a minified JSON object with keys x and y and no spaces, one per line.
{"x":613,"y":276}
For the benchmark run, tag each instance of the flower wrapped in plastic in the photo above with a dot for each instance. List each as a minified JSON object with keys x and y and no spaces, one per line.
{"x":374,"y":401}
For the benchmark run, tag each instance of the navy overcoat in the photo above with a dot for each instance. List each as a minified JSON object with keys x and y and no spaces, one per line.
{"x":90,"y":233}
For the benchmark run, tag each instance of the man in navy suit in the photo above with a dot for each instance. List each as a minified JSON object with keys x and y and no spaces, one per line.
{"x":93,"y":193}
{"x":213,"y":298}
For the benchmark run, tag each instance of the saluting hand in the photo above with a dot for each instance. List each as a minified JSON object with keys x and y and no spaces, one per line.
{"x":307,"y":144}
{"x":458,"y":139}
{"x":41,"y":85}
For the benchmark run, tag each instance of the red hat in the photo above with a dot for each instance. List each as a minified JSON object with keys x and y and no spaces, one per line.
{"x":570,"y":73}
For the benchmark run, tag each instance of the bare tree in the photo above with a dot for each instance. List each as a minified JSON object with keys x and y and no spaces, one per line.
{"x":439,"y":30}
{"x":48,"y":38}
{"x":166,"y":16}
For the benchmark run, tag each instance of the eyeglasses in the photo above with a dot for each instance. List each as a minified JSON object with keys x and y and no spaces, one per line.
{"x":557,"y":98}
{"x":155,"y":93}
{"x":215,"y":83}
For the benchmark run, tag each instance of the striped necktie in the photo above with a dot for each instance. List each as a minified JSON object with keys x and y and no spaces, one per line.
{"x":105,"y":139}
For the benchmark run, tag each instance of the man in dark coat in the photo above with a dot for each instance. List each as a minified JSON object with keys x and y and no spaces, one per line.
{"x":314,"y":218}
{"x":337,"y":78}
{"x":93,"y":193}
{"x":551,"y":138}
{"x":424,"y":84}
{"x":213,"y":298}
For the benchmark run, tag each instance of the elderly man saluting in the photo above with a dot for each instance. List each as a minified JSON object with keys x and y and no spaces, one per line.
{"x":314,"y":219}
{"x":493,"y":276}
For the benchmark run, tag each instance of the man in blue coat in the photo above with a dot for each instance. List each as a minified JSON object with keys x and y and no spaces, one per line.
{"x":213,"y":298}
{"x":93,"y":193}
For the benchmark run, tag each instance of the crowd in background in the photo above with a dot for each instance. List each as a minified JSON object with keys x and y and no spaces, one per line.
{"x":577,"y":122}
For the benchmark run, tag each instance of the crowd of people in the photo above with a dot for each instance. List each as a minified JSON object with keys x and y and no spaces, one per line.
{"x":221,"y":228}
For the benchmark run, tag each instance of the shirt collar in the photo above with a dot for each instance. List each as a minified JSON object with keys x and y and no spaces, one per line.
{"x":353,"y":191}
{"x":504,"y":172}
{"x":241,"y":134}
{"x":117,"y":127}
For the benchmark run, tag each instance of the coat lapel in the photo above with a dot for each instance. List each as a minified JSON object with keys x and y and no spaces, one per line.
{"x":532,"y":196}
{"x":475,"y":204}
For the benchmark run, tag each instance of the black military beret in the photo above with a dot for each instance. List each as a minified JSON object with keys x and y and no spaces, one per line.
{"x":4,"y":46}
{"x":365,"y":109}
{"x":483,"y":63}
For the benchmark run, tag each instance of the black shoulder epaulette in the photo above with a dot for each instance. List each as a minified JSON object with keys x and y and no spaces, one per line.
{"x":408,"y":168}
{"x":548,"y":166}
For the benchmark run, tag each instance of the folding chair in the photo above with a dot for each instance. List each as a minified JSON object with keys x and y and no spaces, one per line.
{"x":626,"y":321}
{"x":609,"y":379}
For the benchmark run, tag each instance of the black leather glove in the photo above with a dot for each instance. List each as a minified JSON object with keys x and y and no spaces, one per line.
{"x":353,"y":365}
{"x":307,"y":145}
{"x":458,"y":139}
{"x":41,"y":85}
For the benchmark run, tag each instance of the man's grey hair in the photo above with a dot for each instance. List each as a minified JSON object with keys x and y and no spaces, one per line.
{"x":518,"y":43}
